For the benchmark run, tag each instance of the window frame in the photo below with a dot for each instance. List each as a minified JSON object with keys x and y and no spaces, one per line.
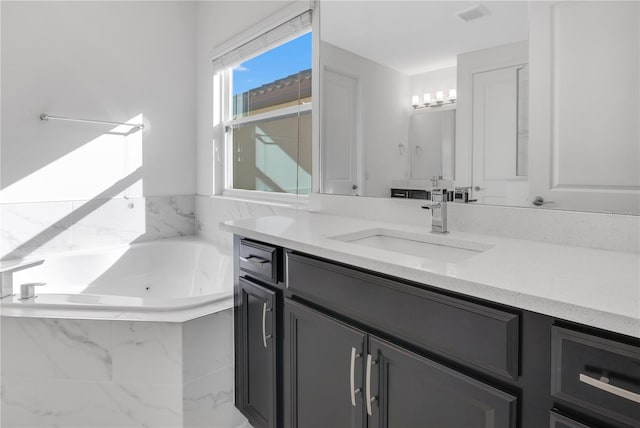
{"x":227,"y":122}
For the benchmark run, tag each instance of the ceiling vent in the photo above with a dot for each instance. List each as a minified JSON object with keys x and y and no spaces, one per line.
{"x":473,"y":13}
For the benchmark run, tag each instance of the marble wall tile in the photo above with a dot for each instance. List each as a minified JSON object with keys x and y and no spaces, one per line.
{"x":108,"y":222}
{"x":98,"y":373}
{"x":39,"y":228}
{"x":168,"y":217}
{"x":20,"y":402}
{"x":57,"y":349}
{"x":147,"y":352}
{"x":207,"y":344}
{"x":208,"y":402}
{"x":101,"y":404}
{"x":35,"y":228}
{"x":212,"y":210}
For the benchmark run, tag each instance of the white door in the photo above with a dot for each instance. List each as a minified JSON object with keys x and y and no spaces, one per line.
{"x":585,"y":96}
{"x":339,"y":148}
{"x":498,"y":176}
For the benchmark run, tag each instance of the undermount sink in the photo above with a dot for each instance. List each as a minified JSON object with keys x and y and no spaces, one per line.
{"x":430,"y":246}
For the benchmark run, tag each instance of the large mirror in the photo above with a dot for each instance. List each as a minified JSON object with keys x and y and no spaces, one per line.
{"x":517,"y":103}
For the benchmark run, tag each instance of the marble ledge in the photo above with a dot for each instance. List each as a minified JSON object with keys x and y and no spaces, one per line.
{"x":594,"y":287}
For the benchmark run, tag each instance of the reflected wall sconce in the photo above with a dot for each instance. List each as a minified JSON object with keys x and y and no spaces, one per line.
{"x":428,"y":101}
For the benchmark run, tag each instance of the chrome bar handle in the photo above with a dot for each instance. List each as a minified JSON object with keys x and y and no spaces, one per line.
{"x":45,"y":116}
{"x":264,"y":324}
{"x":352,"y":375}
{"x":369,"y":398}
{"x":603,"y":384}
{"x":254,"y":260}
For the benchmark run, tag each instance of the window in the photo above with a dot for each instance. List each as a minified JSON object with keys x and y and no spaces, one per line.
{"x":267,"y":118}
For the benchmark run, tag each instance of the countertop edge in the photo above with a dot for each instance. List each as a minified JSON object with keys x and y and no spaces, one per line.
{"x":616,"y":323}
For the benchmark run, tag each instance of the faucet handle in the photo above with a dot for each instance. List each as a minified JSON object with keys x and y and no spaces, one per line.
{"x":27,"y":290}
{"x":433,"y":205}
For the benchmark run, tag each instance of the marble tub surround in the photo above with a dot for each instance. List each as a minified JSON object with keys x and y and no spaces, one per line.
{"x":607,"y":231}
{"x":83,"y":373}
{"x":212,"y":210}
{"x":589,"y":286}
{"x":37,"y":228}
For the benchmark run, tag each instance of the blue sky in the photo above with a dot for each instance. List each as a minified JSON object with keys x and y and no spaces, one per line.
{"x":275,"y":64}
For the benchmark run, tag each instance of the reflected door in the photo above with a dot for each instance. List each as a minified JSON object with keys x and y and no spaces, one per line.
{"x":499,"y":154}
{"x":585,"y":137}
{"x":339,"y":148}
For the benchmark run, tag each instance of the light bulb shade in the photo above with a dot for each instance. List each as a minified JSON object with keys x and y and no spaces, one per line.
{"x":415,"y":100}
{"x":440,"y":96}
{"x":426,"y":98}
{"x":452,"y":94}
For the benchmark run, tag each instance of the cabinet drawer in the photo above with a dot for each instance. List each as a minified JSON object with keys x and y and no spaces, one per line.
{"x":259,"y":260}
{"x":463,"y":331}
{"x":558,"y":421}
{"x":596,"y":373}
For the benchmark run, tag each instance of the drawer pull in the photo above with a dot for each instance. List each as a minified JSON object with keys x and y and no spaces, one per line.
{"x":352,"y":374}
{"x":369,"y":398}
{"x":264,"y":324}
{"x":254,"y":260}
{"x":603,"y":384}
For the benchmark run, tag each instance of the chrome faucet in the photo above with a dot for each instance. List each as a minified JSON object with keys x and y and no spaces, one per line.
{"x":27,"y":290}
{"x":438,"y":209}
{"x":7,"y":270}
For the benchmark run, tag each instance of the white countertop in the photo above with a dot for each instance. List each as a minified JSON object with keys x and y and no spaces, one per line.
{"x":599,"y":288}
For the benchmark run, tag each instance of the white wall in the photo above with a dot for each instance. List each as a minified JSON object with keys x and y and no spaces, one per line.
{"x":103,"y":60}
{"x":432,"y":81}
{"x":217,"y":22}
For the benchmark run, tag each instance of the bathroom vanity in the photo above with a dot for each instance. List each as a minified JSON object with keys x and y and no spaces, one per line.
{"x":334,"y":331}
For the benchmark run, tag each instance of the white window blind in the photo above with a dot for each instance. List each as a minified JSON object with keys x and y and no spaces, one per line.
{"x":278,"y":35}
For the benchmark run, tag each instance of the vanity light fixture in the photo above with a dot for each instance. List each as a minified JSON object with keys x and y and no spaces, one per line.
{"x":428,"y":102}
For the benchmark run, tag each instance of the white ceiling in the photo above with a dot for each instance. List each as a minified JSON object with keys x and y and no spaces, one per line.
{"x":418,"y":36}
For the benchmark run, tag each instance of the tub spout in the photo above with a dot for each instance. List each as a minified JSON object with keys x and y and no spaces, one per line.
{"x":6,"y":283}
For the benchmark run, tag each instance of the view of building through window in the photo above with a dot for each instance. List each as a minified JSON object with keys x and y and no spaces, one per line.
{"x":271,"y":120}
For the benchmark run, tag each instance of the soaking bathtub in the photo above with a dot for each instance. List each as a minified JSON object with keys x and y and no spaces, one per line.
{"x":132,"y":336}
{"x":165,"y":280}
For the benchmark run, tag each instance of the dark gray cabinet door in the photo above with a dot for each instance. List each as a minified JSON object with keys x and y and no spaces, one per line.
{"x":258,"y":353}
{"x":323,"y":365}
{"x":409,"y":391}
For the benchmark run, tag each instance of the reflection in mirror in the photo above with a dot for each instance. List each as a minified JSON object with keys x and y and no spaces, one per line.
{"x":527,"y":132}
{"x":432,"y":141}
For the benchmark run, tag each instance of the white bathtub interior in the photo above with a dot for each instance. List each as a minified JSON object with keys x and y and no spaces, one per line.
{"x":179,"y":267}
{"x":164,"y":275}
